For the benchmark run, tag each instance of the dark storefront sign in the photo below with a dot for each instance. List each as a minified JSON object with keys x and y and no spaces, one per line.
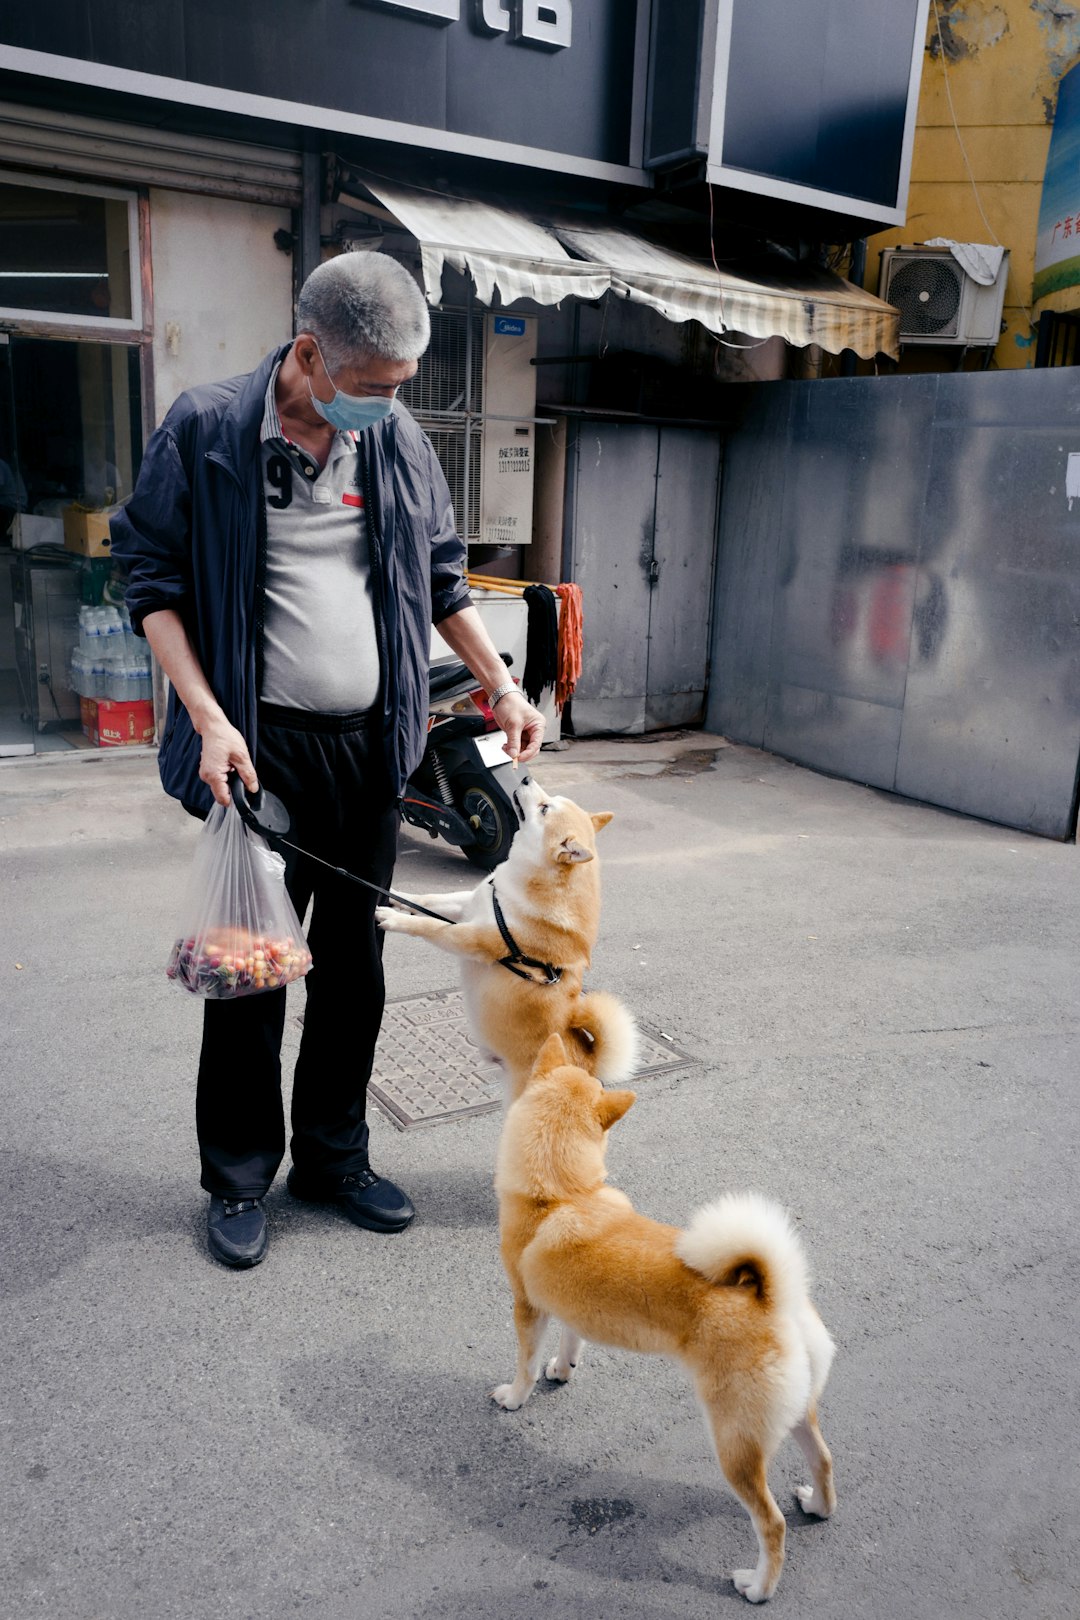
{"x":805,"y":101}
{"x":551,"y":81}
{"x":817,"y":95}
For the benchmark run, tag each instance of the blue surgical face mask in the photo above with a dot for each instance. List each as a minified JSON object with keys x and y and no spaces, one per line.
{"x":351,"y":413}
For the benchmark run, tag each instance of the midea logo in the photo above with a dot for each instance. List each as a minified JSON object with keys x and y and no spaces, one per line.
{"x":545,"y":23}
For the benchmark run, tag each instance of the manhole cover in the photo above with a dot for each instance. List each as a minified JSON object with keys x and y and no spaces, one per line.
{"x":427,"y":1068}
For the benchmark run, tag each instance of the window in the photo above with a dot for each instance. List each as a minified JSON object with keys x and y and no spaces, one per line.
{"x":68,"y":255}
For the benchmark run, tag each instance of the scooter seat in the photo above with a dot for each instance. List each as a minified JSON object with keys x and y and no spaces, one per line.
{"x":458,"y":725}
{"x":447,"y":678}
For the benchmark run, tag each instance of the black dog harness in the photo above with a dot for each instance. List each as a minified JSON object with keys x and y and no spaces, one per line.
{"x":516,"y":960}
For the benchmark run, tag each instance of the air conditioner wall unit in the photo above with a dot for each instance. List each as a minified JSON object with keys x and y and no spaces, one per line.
{"x":475,"y":396}
{"x":939,"y":302}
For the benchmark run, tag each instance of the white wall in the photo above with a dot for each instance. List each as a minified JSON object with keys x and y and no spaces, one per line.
{"x":222,"y":290}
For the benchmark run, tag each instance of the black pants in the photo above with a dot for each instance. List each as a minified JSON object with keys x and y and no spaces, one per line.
{"x":329,"y":771}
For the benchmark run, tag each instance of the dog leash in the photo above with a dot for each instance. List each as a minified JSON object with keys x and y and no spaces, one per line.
{"x":265,"y":814}
{"x":387,"y":894}
{"x":269,"y":817}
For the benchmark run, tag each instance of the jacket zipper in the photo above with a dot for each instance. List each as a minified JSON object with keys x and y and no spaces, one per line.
{"x":380,"y":590}
{"x":257,"y":514}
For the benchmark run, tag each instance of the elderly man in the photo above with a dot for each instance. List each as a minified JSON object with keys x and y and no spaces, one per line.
{"x":288,"y":545}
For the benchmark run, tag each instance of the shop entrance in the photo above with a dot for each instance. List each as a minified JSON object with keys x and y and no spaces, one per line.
{"x":70,"y":439}
{"x":73,"y":328}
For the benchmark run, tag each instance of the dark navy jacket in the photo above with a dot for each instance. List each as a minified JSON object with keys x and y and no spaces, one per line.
{"x":191,"y":539}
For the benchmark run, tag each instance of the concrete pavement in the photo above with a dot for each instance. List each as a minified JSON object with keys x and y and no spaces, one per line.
{"x":881,"y":999}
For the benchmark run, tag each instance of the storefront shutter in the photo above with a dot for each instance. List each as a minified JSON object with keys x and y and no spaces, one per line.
{"x":103,"y":149}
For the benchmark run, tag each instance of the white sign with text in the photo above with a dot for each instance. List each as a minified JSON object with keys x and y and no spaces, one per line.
{"x":543,"y":23}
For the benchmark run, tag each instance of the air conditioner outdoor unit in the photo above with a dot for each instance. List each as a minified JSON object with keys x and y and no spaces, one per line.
{"x":475,"y":397}
{"x":939,"y":302}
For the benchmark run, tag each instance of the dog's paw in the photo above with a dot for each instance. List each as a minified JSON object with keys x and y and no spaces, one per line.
{"x":746,"y":1581}
{"x":388,"y":918}
{"x":811,"y":1501}
{"x":558,"y":1371}
{"x":507,"y":1397}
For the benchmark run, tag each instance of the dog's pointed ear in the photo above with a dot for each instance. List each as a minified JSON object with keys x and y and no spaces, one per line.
{"x":612,"y":1106}
{"x":570,"y":850}
{"x":551,"y":1056}
{"x":601,"y":819}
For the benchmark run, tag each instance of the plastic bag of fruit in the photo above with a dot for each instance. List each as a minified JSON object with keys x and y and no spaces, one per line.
{"x":240,"y":933}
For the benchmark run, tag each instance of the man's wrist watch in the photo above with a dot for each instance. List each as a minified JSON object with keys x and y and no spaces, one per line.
{"x":500,"y":692}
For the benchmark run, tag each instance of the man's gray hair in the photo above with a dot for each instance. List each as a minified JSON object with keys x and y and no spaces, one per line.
{"x":363,"y":305}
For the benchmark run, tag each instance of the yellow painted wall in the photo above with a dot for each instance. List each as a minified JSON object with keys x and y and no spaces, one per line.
{"x":1004,"y":60}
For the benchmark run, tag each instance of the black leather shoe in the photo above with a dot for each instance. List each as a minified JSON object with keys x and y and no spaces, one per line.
{"x":366,"y":1199}
{"x":236,"y":1231}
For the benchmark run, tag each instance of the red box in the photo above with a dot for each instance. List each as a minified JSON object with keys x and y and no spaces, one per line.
{"x":117,"y":725}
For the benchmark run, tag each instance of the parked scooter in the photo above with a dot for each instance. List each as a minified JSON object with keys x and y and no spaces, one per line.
{"x":462,"y":790}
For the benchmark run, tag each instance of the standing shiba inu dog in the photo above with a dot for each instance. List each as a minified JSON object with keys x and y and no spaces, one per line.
{"x":538,"y":915}
{"x":728,"y":1296}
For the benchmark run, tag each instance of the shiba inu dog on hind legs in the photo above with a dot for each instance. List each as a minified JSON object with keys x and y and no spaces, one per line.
{"x":524,"y":939}
{"x":727,"y":1296}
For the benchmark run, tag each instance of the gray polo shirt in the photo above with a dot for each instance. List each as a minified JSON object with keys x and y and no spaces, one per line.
{"x":320,"y":650}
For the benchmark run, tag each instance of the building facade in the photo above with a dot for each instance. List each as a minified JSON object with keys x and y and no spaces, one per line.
{"x":991,"y":87}
{"x":605,"y":224}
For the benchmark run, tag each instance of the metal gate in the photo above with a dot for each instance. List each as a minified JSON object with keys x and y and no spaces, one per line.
{"x":642,"y":529}
{"x":898,"y":586}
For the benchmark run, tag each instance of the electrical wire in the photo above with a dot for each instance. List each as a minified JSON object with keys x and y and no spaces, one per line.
{"x":963,"y":153}
{"x":723,"y":341}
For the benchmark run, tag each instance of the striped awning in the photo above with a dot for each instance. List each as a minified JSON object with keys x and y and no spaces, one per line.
{"x":518,"y":256}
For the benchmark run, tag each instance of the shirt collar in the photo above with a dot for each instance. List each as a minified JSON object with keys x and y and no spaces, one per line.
{"x":271,"y":431}
{"x":271,"y":421}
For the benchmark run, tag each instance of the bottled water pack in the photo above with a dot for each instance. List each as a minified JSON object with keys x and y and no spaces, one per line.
{"x":110,"y":663}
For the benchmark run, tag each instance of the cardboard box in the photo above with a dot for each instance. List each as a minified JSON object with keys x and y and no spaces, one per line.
{"x":29,"y":530}
{"x":117,"y":725}
{"x":87,"y":532}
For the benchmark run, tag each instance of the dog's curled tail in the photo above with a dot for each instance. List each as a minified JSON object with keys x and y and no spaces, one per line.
{"x":613,"y":1034}
{"x":745,"y":1241}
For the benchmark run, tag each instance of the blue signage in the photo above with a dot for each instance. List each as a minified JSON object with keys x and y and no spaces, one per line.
{"x":1057,"y":245}
{"x":509,"y":326}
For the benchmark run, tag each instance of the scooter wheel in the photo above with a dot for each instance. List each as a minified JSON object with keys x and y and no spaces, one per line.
{"x":494,"y":823}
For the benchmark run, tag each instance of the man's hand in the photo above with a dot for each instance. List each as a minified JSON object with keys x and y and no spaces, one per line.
{"x":464,"y":634}
{"x":224,"y":750}
{"x":524,"y":726}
